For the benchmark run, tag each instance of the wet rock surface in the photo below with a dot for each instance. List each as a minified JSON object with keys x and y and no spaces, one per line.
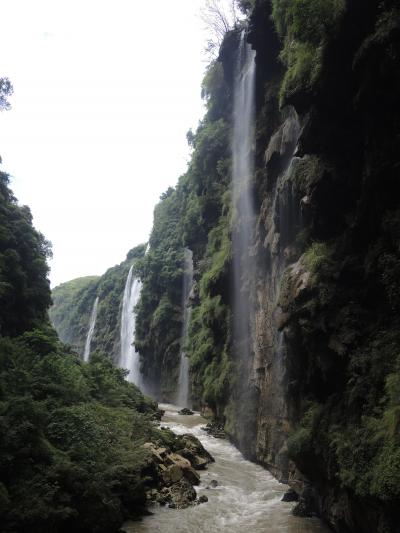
{"x":290,"y":496}
{"x":174,"y":471}
{"x":215,"y":430}
{"x":185,"y":411}
{"x":159,"y":413}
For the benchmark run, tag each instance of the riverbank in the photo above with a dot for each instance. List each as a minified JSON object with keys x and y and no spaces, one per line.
{"x":240,"y":494}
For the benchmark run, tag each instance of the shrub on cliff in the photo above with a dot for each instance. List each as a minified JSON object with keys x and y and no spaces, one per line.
{"x":304,"y":27}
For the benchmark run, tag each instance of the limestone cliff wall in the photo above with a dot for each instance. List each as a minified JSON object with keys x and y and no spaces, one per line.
{"x":325,"y":329}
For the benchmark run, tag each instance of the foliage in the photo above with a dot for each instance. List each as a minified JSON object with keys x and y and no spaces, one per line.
{"x":71,"y":436}
{"x":6,"y":90}
{"x":73,"y":302}
{"x":71,"y":433}
{"x":351,"y":430}
{"x":219,"y":18}
{"x":300,"y":444}
{"x":304,"y":26}
{"x":215,"y":92}
{"x":195,"y":215}
{"x":70,"y":312}
{"x":24,"y":287}
{"x":317,"y":257}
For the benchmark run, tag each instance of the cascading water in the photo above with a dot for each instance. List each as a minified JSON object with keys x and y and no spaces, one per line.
{"x":246,"y":497}
{"x":183,"y":381}
{"x":242,"y":173}
{"x":129,"y":358}
{"x":93,"y":316}
{"x":244,"y":398}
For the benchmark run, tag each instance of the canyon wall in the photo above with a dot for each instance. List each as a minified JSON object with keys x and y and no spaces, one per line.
{"x":316,"y":399}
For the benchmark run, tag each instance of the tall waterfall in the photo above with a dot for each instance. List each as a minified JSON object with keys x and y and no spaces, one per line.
{"x":243,"y":229}
{"x":242,"y":174}
{"x":183,"y":381}
{"x":129,"y":358}
{"x":89,"y":335}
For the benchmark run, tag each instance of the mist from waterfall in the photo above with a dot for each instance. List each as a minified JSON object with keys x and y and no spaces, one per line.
{"x":129,"y":358}
{"x":182,"y":398}
{"x":244,"y":213}
{"x":93,"y":316}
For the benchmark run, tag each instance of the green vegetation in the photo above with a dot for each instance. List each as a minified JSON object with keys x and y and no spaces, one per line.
{"x":209,"y":347}
{"x":318,"y":257}
{"x":361,"y":452}
{"x":70,"y":312}
{"x":71,"y":436}
{"x":24,"y":289}
{"x":304,"y":26}
{"x":196,"y":214}
{"x":73,"y":302}
{"x":71,"y":433}
{"x":71,"y":443}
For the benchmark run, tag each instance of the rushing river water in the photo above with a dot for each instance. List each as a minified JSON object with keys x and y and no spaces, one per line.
{"x":247,"y":498}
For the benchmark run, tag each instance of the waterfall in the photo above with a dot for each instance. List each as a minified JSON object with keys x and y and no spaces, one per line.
{"x":183,"y":380}
{"x":129,"y":358}
{"x":242,"y":174}
{"x":243,"y":229}
{"x":92,"y":324}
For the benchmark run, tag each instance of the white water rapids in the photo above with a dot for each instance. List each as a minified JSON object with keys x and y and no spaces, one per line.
{"x":247,"y":497}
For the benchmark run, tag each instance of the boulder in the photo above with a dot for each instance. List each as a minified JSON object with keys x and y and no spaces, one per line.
{"x":194,"y":451}
{"x":303,"y":509}
{"x":158,"y":415}
{"x":158,"y":454}
{"x":182,"y":494}
{"x":191,"y":475}
{"x":199,"y":463}
{"x":202,"y":499}
{"x":179,"y":460}
{"x":173,"y":474}
{"x":185,"y":411}
{"x":290,"y":496}
{"x":215,"y":430}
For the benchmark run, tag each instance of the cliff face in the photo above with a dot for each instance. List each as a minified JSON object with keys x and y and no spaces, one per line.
{"x":317,"y":401}
{"x":325,"y":331}
{"x":70,"y":312}
{"x":73,"y":303}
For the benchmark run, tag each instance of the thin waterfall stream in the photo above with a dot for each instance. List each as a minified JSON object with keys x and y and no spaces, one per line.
{"x":183,"y":380}
{"x":129,"y":358}
{"x":243,"y":229}
{"x":242,"y":175}
{"x":93,"y":316}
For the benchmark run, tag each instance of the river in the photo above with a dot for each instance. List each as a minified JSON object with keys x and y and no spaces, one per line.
{"x":247,"y":498}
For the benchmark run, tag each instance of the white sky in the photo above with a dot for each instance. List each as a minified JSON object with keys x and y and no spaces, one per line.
{"x":104,"y":93}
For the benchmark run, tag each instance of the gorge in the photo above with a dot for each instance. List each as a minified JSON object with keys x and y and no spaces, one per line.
{"x":266,"y":300}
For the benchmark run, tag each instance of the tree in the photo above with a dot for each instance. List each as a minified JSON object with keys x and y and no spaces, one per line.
{"x":6,"y":90}
{"x":219,"y":18}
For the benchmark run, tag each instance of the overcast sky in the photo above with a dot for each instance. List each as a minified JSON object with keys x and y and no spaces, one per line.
{"x":104,"y":93}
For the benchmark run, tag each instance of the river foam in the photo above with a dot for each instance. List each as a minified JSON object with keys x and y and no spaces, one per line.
{"x":247,"y":496}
